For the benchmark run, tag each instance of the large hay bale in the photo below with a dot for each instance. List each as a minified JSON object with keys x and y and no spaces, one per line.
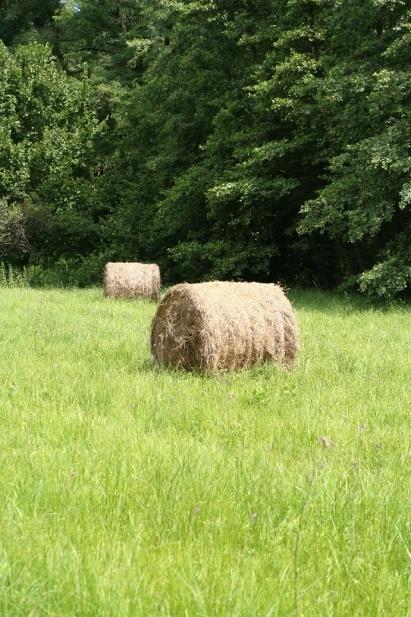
{"x":220,"y":326}
{"x":132,"y":280}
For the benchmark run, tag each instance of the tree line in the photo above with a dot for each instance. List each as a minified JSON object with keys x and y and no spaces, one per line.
{"x":232,"y":139}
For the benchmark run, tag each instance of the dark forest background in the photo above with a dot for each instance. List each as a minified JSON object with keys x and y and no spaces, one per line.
{"x":232,"y":139}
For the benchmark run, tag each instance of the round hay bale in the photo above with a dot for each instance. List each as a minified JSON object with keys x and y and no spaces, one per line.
{"x":132,"y":280}
{"x":221,"y":326}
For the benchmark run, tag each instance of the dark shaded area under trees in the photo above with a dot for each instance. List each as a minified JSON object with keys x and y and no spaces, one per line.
{"x":235,"y":139}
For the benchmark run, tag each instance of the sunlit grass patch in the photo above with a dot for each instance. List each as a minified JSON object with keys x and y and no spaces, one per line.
{"x":128,"y":491}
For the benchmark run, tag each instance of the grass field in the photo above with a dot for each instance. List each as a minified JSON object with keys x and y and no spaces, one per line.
{"x":126,"y":491}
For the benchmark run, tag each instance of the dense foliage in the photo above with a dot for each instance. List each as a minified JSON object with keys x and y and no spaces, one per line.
{"x":235,"y":139}
{"x":47,"y":124}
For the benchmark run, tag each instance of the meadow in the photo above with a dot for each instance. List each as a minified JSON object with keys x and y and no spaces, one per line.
{"x":128,"y":491}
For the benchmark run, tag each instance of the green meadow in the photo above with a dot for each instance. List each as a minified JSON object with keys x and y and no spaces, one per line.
{"x":128,"y":491}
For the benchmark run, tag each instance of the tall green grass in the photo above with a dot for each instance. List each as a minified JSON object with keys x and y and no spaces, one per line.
{"x":13,"y":277}
{"x":126,"y":491}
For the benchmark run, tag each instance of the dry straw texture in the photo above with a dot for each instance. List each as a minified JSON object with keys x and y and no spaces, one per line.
{"x":221,"y":326}
{"x":132,"y":280}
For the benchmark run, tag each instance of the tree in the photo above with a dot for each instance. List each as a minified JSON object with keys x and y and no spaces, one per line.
{"x":251,"y":121}
{"x":364,"y":101}
{"x":237,"y":138}
{"x":22,"y":21}
{"x":47,"y":125}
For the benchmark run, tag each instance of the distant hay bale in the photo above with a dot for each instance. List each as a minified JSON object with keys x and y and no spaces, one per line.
{"x":221,"y":326}
{"x":132,"y":280}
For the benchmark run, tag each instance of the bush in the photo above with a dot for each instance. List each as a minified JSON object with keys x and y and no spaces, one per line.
{"x":68,"y":272}
{"x":386,"y":279}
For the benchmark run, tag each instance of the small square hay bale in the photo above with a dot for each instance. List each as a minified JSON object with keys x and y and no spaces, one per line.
{"x":132,"y":280}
